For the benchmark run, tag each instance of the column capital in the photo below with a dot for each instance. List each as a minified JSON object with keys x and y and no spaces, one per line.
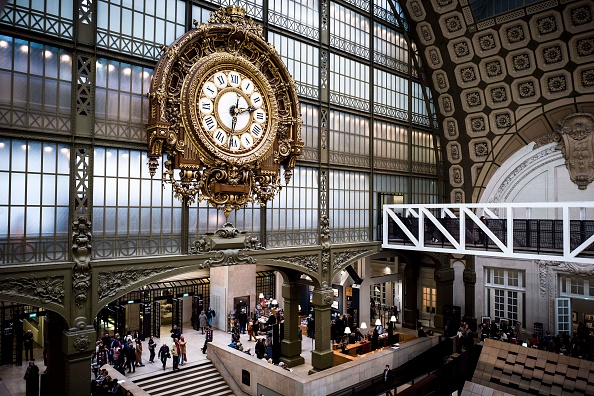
{"x":444,"y":275}
{"x":322,"y":298}
{"x":78,"y":341}
{"x":469,"y":276}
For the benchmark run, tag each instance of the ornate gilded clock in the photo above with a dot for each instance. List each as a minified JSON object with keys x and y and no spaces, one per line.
{"x":224,"y":109}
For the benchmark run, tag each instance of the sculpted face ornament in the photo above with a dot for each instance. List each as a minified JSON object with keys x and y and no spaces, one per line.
{"x":224,"y":109}
{"x":576,"y":141}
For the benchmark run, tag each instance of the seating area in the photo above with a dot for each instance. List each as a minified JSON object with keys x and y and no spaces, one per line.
{"x":523,"y":371}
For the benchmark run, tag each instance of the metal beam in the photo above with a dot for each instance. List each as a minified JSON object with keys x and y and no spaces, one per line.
{"x":564,"y":232}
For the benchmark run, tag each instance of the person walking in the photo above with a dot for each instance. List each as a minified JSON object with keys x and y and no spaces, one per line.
{"x":130,"y":352}
{"x":203,"y":321}
{"x":139,"y":353}
{"x":250,"y":330}
{"x":28,"y":344}
{"x":152,"y":345}
{"x":210,"y":315}
{"x":388,"y":380}
{"x":32,"y":379}
{"x":182,"y":351}
{"x":207,"y":338}
{"x":164,"y":354}
{"x":175,"y":354}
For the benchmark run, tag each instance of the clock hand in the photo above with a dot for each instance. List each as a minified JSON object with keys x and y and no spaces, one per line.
{"x":233,"y":109}
{"x":243,"y":110}
{"x":233,"y":123}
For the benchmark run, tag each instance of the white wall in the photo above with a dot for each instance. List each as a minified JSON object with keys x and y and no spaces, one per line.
{"x":529,"y":175}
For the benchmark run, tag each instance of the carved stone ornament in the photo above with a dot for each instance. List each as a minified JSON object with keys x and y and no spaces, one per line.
{"x":228,"y":257}
{"x":576,"y":141}
{"x":110,"y":283}
{"x":49,"y":289}
{"x":325,"y":242}
{"x":548,"y":272}
{"x":81,"y":343}
{"x":225,"y":111}
{"x":81,"y":252}
{"x":341,"y":258}
{"x":469,"y":276}
{"x":308,"y":262}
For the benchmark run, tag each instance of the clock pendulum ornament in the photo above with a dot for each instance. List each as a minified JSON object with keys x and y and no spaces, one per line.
{"x":224,"y":109}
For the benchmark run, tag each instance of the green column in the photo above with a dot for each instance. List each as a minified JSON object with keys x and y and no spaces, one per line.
{"x":322,"y":356}
{"x":291,"y":344}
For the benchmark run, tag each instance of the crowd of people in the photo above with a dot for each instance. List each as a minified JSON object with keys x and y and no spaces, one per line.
{"x":581,"y":345}
{"x":124,"y":354}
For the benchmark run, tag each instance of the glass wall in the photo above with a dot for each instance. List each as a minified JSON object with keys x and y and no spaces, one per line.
{"x":366,"y":125}
{"x":34,"y":201}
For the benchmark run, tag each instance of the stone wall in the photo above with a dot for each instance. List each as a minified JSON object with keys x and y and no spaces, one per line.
{"x":231,"y":362}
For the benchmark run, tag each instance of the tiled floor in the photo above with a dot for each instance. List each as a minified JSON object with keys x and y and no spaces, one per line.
{"x":11,"y":376}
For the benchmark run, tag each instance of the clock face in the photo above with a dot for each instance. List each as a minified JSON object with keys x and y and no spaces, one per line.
{"x":232,"y":111}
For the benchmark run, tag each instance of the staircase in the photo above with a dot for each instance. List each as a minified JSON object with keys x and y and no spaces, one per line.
{"x":202,"y":379}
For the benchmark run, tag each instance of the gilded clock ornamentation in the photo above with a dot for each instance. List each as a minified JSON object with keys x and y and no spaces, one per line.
{"x":224,"y":109}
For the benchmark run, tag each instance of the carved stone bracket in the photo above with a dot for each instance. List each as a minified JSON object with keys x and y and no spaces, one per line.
{"x":110,"y":283}
{"x":81,"y":252}
{"x":49,"y":289}
{"x":307,"y":262}
{"x":576,"y":141}
{"x":341,"y":258}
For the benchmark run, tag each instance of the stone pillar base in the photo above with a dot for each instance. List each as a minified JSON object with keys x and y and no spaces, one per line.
{"x":438,"y":321}
{"x":410,"y":318}
{"x":293,"y":361}
{"x":321,"y":360}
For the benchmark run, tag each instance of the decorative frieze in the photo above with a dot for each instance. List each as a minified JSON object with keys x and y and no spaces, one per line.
{"x":49,"y":289}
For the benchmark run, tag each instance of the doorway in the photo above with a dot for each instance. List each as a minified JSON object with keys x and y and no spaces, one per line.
{"x":241,"y":306}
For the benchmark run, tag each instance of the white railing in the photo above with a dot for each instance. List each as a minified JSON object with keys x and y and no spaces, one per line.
{"x":561,"y":231}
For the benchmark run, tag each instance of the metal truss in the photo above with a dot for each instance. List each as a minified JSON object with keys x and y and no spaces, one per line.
{"x":562,"y":231}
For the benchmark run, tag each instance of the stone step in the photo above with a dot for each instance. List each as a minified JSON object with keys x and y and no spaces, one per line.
{"x":200,"y":379}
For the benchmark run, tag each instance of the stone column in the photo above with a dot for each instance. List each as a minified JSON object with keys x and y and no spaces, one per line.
{"x":322,"y":356}
{"x":469,"y":277}
{"x":411,"y":311}
{"x":69,"y":352}
{"x":291,"y":345}
{"x":444,"y":280}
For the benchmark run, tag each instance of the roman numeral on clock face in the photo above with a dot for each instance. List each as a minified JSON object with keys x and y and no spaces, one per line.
{"x":234,"y":79}
{"x":220,"y":137}
{"x":210,"y":123}
{"x":256,"y":130}
{"x":234,"y":143}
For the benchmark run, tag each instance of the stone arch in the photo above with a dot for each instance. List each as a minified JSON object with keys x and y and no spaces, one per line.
{"x":535,"y":123}
{"x":342,"y":258}
{"x":46,"y":292}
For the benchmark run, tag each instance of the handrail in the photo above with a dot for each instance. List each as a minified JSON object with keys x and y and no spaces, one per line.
{"x":426,"y":361}
{"x":227,"y":370}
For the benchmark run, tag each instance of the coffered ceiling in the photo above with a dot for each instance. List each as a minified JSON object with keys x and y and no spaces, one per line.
{"x":503,"y":82}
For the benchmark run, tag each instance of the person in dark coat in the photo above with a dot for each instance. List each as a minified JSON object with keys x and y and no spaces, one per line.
{"x":130,"y":352}
{"x":375,"y":339}
{"x":152,"y":345}
{"x":32,"y":379}
{"x":164,"y":354}
{"x":203,"y":321}
{"x":28,"y":344}
{"x":260,"y":349}
{"x":388,"y":380}
{"x":207,"y":338}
